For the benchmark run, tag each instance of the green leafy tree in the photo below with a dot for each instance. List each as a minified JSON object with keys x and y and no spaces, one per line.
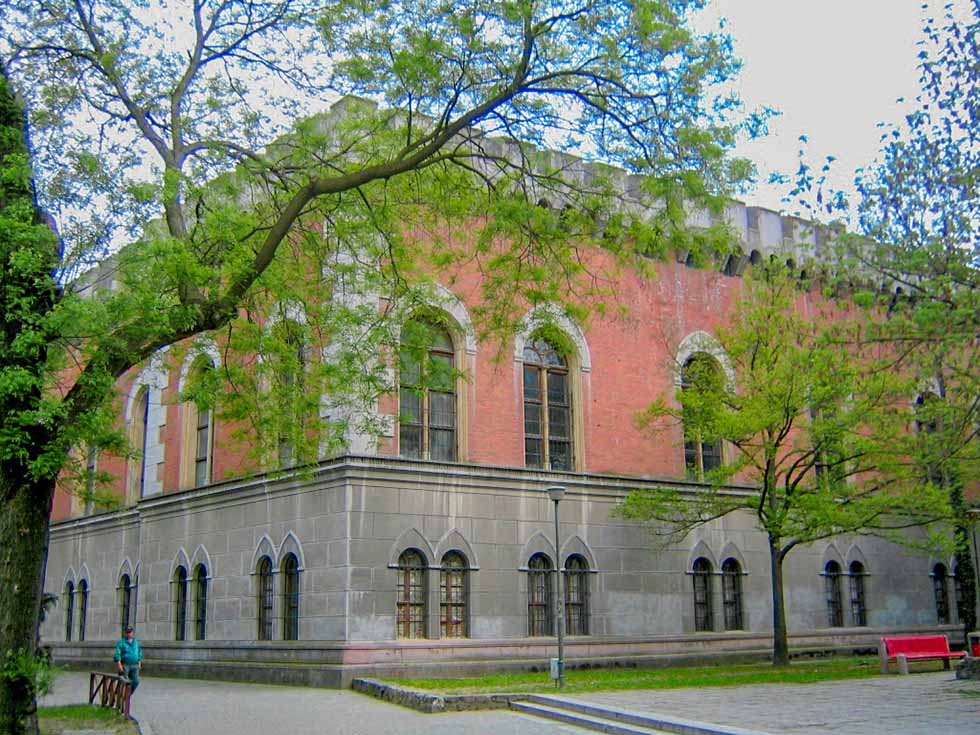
{"x":813,"y":419}
{"x":171,"y":127}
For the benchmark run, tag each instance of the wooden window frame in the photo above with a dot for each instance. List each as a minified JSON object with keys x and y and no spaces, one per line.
{"x":180,"y":589}
{"x":833,"y":594}
{"x":125,"y":601}
{"x":264,"y":607}
{"x":425,"y":393}
{"x":940,"y":592}
{"x":82,"y":592}
{"x":544,"y":404}
{"x":200,"y":602}
{"x":411,"y":600}
{"x":576,"y":593}
{"x":696,"y":449}
{"x":454,"y":596}
{"x":540,"y":596}
{"x":69,"y":609}
{"x":731,"y":594}
{"x":289,"y":571}
{"x":859,"y":604}
{"x":701,"y":576}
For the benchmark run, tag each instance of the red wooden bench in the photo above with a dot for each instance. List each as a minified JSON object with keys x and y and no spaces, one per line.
{"x":905,"y":648}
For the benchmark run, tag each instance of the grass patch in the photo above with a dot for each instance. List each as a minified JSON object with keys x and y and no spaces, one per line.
{"x":55,"y":720}
{"x":591,"y":680}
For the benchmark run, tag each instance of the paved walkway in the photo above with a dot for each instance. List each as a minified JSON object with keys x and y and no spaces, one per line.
{"x":894,"y":705}
{"x":883,"y":705}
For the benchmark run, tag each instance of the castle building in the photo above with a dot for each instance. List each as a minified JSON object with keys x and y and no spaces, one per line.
{"x":431,"y":549}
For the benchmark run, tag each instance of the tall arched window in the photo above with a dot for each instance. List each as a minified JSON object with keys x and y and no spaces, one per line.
{"x":290,"y":598}
{"x":125,"y":601}
{"x":700,"y":377}
{"x":576,"y":595}
{"x":198,"y":449}
{"x":427,"y":393}
{"x":69,"y":608}
{"x":141,"y":437}
{"x":731,"y":593}
{"x":180,"y":603}
{"x":200,"y":602}
{"x":859,"y":608}
{"x":941,"y":593}
{"x":547,"y":407}
{"x":411,"y":596}
{"x":927,"y":423}
{"x":264,"y":598}
{"x":291,"y":375}
{"x":454,"y":593}
{"x":959,"y":597}
{"x":82,"y":608}
{"x":831,"y":580}
{"x":540,"y":597}
{"x":703,"y":612}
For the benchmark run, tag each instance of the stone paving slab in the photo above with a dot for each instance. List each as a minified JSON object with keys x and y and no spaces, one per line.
{"x":884,"y":705}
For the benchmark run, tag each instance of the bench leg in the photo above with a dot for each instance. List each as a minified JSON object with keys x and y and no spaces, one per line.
{"x":946,"y":663}
{"x":883,"y":655}
{"x":903,"y":663}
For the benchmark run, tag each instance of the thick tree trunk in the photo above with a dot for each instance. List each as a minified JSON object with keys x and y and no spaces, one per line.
{"x":23,"y":534}
{"x":967,"y":575}
{"x":780,"y":643}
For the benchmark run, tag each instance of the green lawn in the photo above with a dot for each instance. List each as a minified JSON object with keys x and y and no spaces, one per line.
{"x":590,"y":680}
{"x":55,"y":720}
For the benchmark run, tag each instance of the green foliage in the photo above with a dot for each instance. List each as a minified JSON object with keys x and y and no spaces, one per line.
{"x":27,"y":670}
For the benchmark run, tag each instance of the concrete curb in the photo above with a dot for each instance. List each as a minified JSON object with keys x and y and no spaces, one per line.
{"x":428,"y":702}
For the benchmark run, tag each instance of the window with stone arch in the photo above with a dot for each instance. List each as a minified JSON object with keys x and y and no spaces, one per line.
{"x":576,"y":595}
{"x":125,"y":602}
{"x":700,"y":376}
{"x":411,"y":597}
{"x":82,"y":608}
{"x":548,"y":429}
{"x":941,"y":593}
{"x":179,"y":586}
{"x":731,"y":594}
{"x":69,"y":608}
{"x":832,"y":592}
{"x":540,"y":596}
{"x":427,"y":415}
{"x":263,"y":601}
{"x":959,"y":595}
{"x":289,"y":569}
{"x":200,"y":602}
{"x":454,"y":596}
{"x":926,"y":425}
{"x":292,"y":363}
{"x":859,"y":605}
{"x":701,"y":573}
{"x":197,"y":451}
{"x":140,"y":437}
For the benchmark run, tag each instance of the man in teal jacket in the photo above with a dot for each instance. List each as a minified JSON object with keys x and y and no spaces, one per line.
{"x":129,"y":658}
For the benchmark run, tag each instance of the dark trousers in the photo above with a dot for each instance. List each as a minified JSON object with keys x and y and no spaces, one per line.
{"x":132,"y":672}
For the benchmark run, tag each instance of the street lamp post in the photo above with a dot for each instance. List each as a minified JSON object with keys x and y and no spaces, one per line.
{"x":556,"y":494}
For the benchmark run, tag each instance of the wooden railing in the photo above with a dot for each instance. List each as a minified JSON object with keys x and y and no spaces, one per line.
{"x":114,"y":691}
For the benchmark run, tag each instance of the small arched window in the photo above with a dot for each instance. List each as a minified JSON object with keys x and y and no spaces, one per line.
{"x":263,"y":601}
{"x":290,"y":598}
{"x":69,"y":608}
{"x":547,"y":407}
{"x":859,"y":609}
{"x":731,"y":593}
{"x":700,"y":379}
{"x":703,"y":612}
{"x":427,"y":393}
{"x":831,"y":579}
{"x":125,"y":601}
{"x":576,"y":595}
{"x":941,"y":593}
{"x":540,"y":596}
{"x":454,"y":595}
{"x":82,"y":608}
{"x":411,"y":595}
{"x":200,"y":602}
{"x":180,"y":603}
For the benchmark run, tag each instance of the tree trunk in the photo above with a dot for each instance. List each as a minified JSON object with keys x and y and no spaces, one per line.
{"x":780,"y":644}
{"x":23,"y":533}
{"x":967,"y":576}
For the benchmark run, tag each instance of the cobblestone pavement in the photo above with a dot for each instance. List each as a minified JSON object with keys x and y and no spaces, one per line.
{"x":191,"y":707}
{"x":883,"y":705}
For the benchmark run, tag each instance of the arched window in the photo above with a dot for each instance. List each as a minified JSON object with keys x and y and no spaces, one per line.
{"x":200,"y":602}
{"x":291,"y":375}
{"x":927,"y":424}
{"x":125,"y":602}
{"x":703,"y":612}
{"x":831,"y":579}
{"x":454,"y":593}
{"x":547,"y":407}
{"x":427,"y":393}
{"x":290,"y":598}
{"x":700,"y":377}
{"x":141,"y":436}
{"x":264,"y":598}
{"x":180,"y":603}
{"x":198,"y":431}
{"x":540,"y":597}
{"x":82,"y":608}
{"x":576,"y":595}
{"x":959,"y":598}
{"x":941,"y":593}
{"x":69,"y":608}
{"x":731,"y":593}
{"x":859,"y":609}
{"x":411,"y":596}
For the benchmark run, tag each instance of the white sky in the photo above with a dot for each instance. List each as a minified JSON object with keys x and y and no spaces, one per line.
{"x":833,"y":67}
